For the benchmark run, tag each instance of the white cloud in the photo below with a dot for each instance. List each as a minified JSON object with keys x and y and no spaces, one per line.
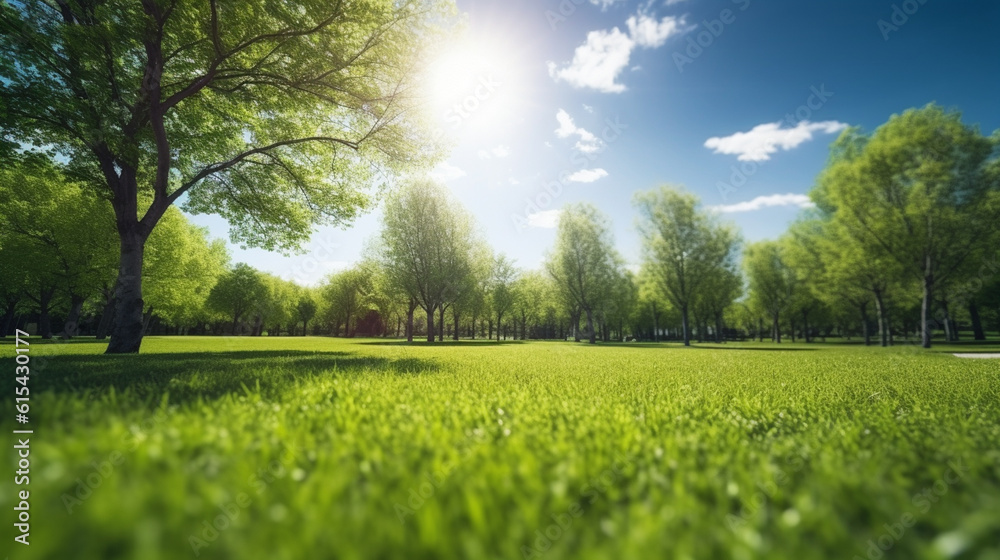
{"x":446,"y":172}
{"x":799,"y":200}
{"x":547,"y":219}
{"x":649,"y":33}
{"x":548,"y":144}
{"x":605,"y":3}
{"x":587,"y":175}
{"x":761,"y":141}
{"x":598,"y":62}
{"x":588,"y":108}
{"x":513,"y":181}
{"x":588,"y":143}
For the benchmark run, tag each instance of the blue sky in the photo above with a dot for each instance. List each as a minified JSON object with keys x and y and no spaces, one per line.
{"x":736,"y":100}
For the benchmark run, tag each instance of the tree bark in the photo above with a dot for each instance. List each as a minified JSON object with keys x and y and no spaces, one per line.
{"x":880,"y":309}
{"x":106,"y":316}
{"x":925,"y":308}
{"x":430,"y":323}
{"x":8,"y":317}
{"x":455,"y":334}
{"x":147,"y":317}
{"x":656,"y":327}
{"x":590,"y":326}
{"x":126,"y":330}
{"x":864,"y":324}
{"x":409,"y":322}
{"x":685,"y":326}
{"x":441,"y":324}
{"x":977,"y":322}
{"x":805,"y":326}
{"x":44,"y":321}
{"x":72,"y":326}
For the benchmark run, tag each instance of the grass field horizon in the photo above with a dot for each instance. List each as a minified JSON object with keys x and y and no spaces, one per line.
{"x":314,"y":447}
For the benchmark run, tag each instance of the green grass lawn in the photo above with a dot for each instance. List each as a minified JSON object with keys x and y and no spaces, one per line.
{"x":312,"y":448}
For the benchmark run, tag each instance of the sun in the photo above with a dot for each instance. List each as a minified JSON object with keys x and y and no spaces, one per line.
{"x":470,"y":87}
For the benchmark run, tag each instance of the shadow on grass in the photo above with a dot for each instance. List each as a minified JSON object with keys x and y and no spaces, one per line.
{"x":33,"y":340}
{"x":443,"y":343}
{"x":210,"y":375}
{"x":702,"y":346}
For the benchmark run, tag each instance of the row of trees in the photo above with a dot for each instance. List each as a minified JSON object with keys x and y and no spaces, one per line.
{"x":903,"y":241}
{"x":59,"y":256}
{"x":905,"y":236}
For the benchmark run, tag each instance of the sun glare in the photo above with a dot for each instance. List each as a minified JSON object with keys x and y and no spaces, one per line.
{"x":471,"y":88}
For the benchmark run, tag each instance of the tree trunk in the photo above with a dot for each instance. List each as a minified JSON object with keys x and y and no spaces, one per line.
{"x":441,"y":324}
{"x":409,"y":322}
{"x":72,"y":326}
{"x":685,"y":326}
{"x":865,"y":324}
{"x":455,"y":334}
{"x":977,"y":323}
{"x":8,"y":317}
{"x":776,"y":326}
{"x":499,"y":322}
{"x":44,"y":321}
{"x":590,"y":326}
{"x":805,"y":326}
{"x":925,"y":308}
{"x":656,"y":327}
{"x":147,"y":317}
{"x":107,"y":315}
{"x":126,"y":330}
{"x":430,"y":323}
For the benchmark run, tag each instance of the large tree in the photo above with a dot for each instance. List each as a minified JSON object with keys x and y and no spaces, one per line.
{"x":272,"y":113}
{"x":427,"y":247}
{"x":771,"y":281}
{"x":182,"y":266}
{"x":584,"y":262}
{"x":502,"y":292}
{"x":685,"y":246}
{"x":238,"y":293}
{"x":921,"y":190}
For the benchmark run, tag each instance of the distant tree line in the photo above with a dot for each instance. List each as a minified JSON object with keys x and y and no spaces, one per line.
{"x":903,"y":242}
